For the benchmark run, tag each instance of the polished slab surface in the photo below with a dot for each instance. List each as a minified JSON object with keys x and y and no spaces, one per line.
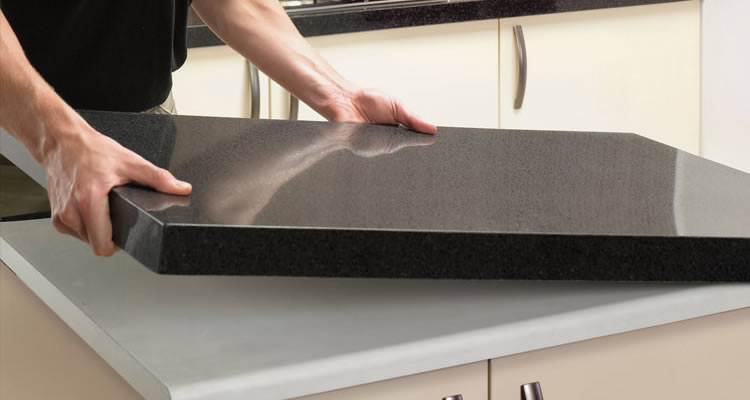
{"x":334,"y":199}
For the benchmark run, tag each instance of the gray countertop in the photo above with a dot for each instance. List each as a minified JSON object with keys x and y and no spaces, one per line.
{"x":212,"y":337}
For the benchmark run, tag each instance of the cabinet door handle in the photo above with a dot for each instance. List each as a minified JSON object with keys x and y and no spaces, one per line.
{"x":522,"y":66}
{"x":254,"y":91}
{"x":293,"y":107}
{"x":532,"y":391}
{"x":454,"y":397}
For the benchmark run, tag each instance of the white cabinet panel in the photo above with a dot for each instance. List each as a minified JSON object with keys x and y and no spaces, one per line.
{"x":702,"y":358}
{"x":447,"y":74}
{"x":215,"y":81}
{"x":42,"y":358}
{"x":630,"y":69}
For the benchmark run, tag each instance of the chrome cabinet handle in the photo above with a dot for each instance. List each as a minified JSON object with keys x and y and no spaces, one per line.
{"x":293,"y":107}
{"x":254,"y":91}
{"x":532,"y":391}
{"x":454,"y":397}
{"x":522,"y":66}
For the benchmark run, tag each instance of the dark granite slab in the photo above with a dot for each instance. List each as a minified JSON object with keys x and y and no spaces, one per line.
{"x":352,"y":200}
{"x":316,"y":21}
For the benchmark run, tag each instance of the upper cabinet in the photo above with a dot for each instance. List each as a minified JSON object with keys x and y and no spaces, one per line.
{"x":629,"y":69}
{"x":447,"y":74}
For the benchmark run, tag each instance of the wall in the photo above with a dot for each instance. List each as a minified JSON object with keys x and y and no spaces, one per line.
{"x":725,"y":98}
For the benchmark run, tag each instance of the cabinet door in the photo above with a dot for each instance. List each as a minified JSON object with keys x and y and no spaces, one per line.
{"x":215,"y":81}
{"x":629,"y":69}
{"x":447,"y":74}
{"x":470,"y":381}
{"x":703,"y":358}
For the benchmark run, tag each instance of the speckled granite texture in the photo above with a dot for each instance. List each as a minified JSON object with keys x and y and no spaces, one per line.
{"x":353,"y":200}
{"x":314,"y":22}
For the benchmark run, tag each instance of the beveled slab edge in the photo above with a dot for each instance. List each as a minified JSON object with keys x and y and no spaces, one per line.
{"x":318,"y":252}
{"x":135,"y":231}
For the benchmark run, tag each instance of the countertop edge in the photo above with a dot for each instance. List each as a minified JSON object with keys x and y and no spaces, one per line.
{"x":392,"y":361}
{"x":144,"y":382}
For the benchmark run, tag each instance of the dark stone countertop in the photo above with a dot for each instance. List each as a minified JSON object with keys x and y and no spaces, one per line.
{"x":312,"y":21}
{"x":354,"y":200}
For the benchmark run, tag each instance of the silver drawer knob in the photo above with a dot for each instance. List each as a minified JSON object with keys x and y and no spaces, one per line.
{"x":454,"y":397}
{"x":532,"y":391}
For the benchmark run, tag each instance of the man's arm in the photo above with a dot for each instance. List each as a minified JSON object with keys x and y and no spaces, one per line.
{"x":82,"y":165}
{"x":262,"y":32}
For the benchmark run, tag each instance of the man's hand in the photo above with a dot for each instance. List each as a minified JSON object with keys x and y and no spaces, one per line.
{"x":374,"y":107}
{"x":82,"y":166}
{"x":262,"y":32}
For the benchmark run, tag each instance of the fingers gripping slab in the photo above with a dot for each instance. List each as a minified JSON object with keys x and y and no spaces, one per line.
{"x":158,"y":178}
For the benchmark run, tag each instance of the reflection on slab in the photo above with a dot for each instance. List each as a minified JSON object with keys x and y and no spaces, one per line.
{"x":280,"y":173}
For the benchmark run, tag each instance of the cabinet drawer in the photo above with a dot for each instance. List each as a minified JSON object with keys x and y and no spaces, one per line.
{"x":702,"y":358}
{"x":470,"y":381}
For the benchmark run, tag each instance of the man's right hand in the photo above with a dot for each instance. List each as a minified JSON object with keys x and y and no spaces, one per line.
{"x":82,"y":166}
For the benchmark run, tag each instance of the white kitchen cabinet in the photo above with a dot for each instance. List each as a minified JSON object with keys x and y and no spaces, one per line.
{"x":42,"y":358}
{"x":629,"y":69}
{"x":702,"y":358}
{"x":215,"y":81}
{"x":447,"y":74}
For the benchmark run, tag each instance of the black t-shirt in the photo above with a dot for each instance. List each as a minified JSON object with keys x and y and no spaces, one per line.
{"x":103,"y":54}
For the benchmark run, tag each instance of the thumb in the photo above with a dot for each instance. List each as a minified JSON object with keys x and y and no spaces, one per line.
{"x":160,"y":179}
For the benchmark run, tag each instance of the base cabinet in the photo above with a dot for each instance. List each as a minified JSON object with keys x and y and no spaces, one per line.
{"x":623,"y":69}
{"x":215,"y":82}
{"x":630,"y":69}
{"x":703,"y":358}
{"x":447,"y":74}
{"x":42,"y":358}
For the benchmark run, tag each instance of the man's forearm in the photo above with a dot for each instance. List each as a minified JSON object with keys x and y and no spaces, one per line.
{"x":28,"y":105}
{"x":262,"y":32}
